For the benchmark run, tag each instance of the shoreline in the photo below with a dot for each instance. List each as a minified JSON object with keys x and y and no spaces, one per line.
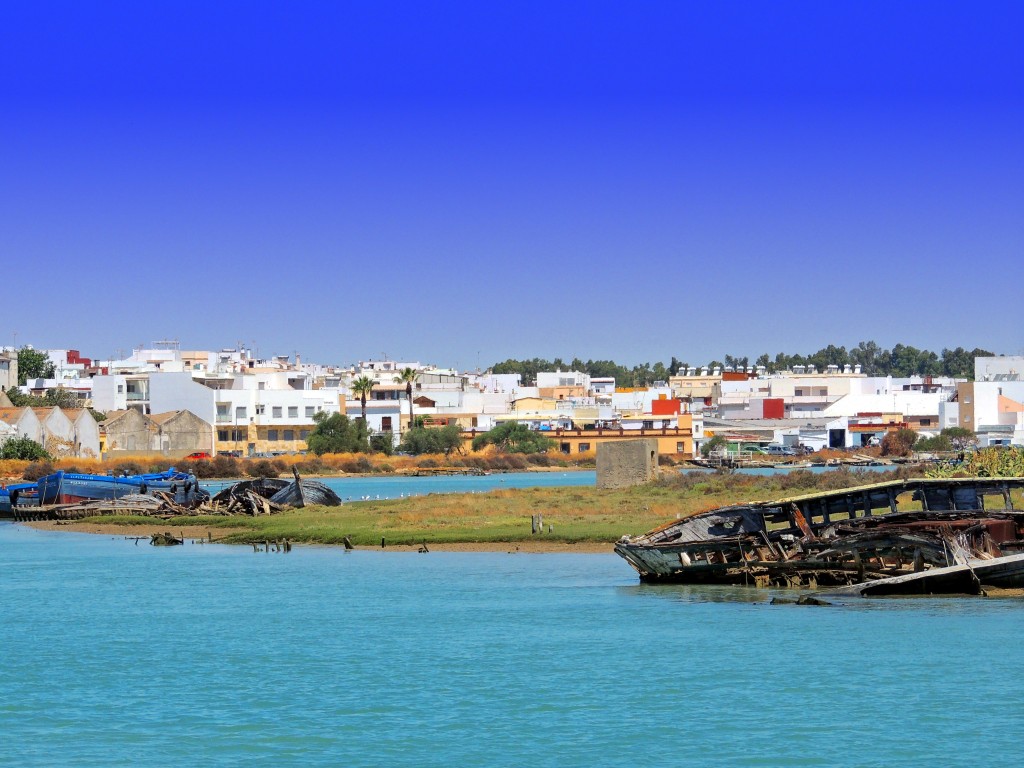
{"x":538,"y":547}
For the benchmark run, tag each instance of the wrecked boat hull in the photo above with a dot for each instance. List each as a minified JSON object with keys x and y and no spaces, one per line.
{"x":969,"y":578}
{"x":901,"y":535}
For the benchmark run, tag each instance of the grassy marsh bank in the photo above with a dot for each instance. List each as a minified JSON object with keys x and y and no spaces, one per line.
{"x":576,"y":515}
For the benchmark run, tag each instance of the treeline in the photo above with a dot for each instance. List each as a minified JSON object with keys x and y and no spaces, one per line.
{"x":900,"y":361}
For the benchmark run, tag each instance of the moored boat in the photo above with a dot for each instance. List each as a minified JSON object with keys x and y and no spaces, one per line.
{"x":18,"y":495}
{"x":899,"y":530}
{"x":70,"y":488}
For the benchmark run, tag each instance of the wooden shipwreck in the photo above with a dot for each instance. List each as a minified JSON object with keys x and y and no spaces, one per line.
{"x":924,"y":536}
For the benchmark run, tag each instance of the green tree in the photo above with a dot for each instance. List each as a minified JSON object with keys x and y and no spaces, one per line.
{"x":61,"y":398}
{"x":444,"y":440}
{"x":407,"y":376}
{"x":961,"y":439}
{"x":33,"y":364}
{"x":24,"y":448}
{"x":336,"y":433}
{"x":382,"y":443}
{"x":513,"y":437}
{"x":53,"y":397}
{"x":715,"y":443}
{"x":865,"y":354}
{"x":362,"y":387}
{"x":938,"y":443}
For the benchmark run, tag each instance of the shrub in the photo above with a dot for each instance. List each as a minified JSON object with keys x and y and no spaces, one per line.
{"x":262,"y":468}
{"x":539,"y":459}
{"x":37,"y":469}
{"x":426,"y":463}
{"x":24,"y":448}
{"x":311,"y":466}
{"x":899,"y":443}
{"x":225,"y":466}
{"x":202,"y":468}
{"x":127,"y":468}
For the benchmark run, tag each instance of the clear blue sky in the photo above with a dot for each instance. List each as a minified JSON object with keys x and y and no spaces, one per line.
{"x":466,"y":182}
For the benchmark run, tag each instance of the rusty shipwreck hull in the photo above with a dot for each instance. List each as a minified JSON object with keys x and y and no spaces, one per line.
{"x":870,"y":533}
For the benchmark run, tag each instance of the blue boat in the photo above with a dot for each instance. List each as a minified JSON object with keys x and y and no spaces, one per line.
{"x":70,"y":488}
{"x":18,"y":495}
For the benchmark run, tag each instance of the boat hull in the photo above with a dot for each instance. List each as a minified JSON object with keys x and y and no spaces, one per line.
{"x":71,"y":488}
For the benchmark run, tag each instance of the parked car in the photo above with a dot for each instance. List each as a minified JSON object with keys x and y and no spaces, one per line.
{"x":198,"y":455}
{"x":779,"y":450}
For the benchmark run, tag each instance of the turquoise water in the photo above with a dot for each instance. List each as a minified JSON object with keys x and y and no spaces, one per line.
{"x":117,"y":654}
{"x":398,"y":486}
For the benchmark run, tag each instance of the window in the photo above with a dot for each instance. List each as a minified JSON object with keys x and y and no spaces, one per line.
{"x":926,"y":422}
{"x":967,"y":418}
{"x":385,"y":424}
{"x":680,"y":447}
{"x":271,"y":434}
{"x":293,"y":411}
{"x":303,"y":434}
{"x":310,"y":410}
{"x":260,"y":409}
{"x":240,"y":412}
{"x":289,"y":434}
{"x":222,"y":435}
{"x":261,"y":385}
{"x":120,"y":389}
{"x":584,"y":447}
{"x":648,"y":424}
{"x":276,"y":411}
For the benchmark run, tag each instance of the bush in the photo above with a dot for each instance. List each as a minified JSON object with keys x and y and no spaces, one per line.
{"x":24,"y":448}
{"x":311,"y":466}
{"x":426,"y":464}
{"x":202,"y":468}
{"x":899,"y":443}
{"x":382,"y":444}
{"x":358,"y":466}
{"x":262,"y":468}
{"x":539,"y":459}
{"x":37,"y":469}
{"x":517,"y":462}
{"x":225,"y":466}
{"x":797,"y":479}
{"x":127,"y":468}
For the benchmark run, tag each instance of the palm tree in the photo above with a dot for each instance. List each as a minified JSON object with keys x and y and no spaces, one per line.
{"x":407,"y":376}
{"x":362,"y":387}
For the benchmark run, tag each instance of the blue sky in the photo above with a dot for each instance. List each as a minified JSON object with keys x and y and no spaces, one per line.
{"x":461,"y":183}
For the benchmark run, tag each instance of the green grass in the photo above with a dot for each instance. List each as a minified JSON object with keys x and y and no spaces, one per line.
{"x":575,"y":514}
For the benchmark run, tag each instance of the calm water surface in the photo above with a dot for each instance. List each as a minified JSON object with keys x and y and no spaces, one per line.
{"x":398,"y":486}
{"x":117,"y":654}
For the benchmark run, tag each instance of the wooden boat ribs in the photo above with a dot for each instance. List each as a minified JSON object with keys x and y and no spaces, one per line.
{"x":876,"y":533}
